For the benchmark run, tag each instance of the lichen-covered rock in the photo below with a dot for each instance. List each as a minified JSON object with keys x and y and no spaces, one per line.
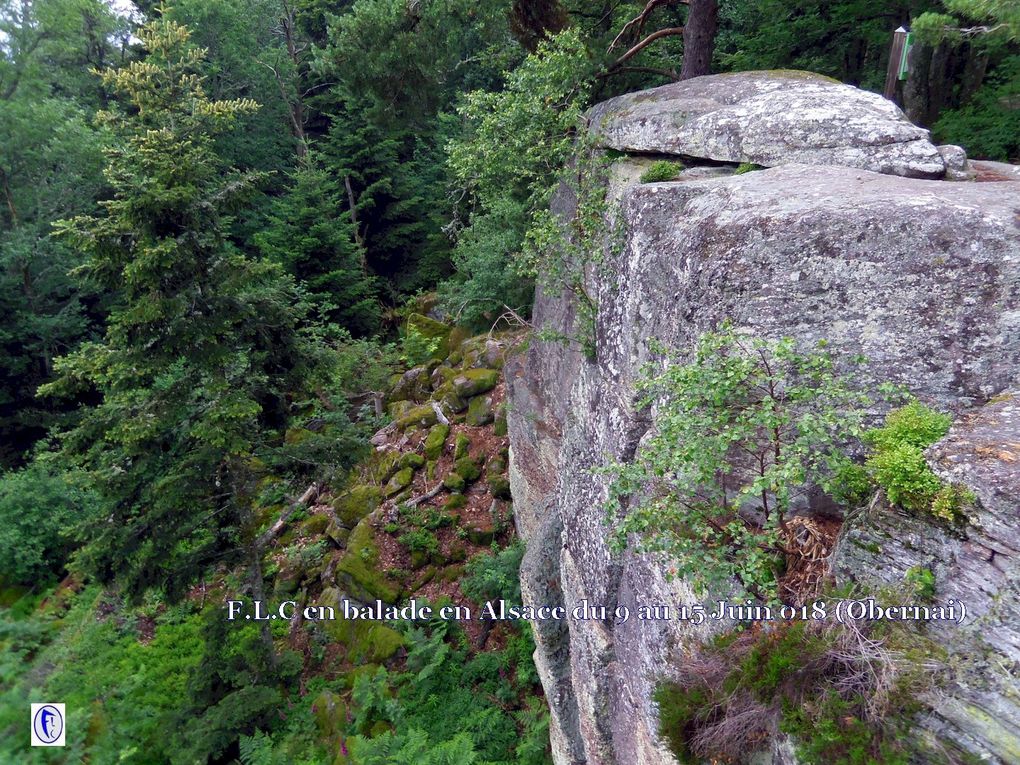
{"x":435,"y":440}
{"x":480,"y":411}
{"x":769,"y":118}
{"x":920,"y":277}
{"x":499,"y":487}
{"x":357,"y":571}
{"x":978,"y":565}
{"x":414,"y":385}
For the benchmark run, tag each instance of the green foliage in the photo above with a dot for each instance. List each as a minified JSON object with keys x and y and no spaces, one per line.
{"x":988,"y":126}
{"x":202,"y":346}
{"x":899,"y":466}
{"x":508,"y":166}
{"x":449,"y":707}
{"x":970,"y":18}
{"x":921,"y":581}
{"x":845,"y":39}
{"x":309,"y":234}
{"x":495,"y":576}
{"x":742,"y":423}
{"x":661,"y":171}
{"x":39,"y":513}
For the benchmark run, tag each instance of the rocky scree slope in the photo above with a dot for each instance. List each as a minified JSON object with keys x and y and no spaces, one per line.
{"x":920,"y":276}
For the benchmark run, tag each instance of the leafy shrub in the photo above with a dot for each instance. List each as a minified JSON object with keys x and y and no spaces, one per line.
{"x":494,"y":576}
{"x":420,"y":540}
{"x":39,"y":510}
{"x":661,"y":171}
{"x":741,"y":423}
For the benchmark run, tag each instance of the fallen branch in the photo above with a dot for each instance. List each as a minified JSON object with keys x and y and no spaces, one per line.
{"x":281,"y":523}
{"x":424,"y":497}
{"x":439,"y":413}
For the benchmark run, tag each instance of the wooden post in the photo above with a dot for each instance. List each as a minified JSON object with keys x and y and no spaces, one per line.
{"x":897,"y":62}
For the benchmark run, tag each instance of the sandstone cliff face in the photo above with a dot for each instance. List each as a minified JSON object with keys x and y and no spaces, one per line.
{"x":922,"y":277}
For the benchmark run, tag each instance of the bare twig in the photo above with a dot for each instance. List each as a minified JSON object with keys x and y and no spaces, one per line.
{"x":274,"y":531}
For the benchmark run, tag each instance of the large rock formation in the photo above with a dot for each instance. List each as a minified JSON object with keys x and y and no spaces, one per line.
{"x":921,"y":277}
{"x":769,"y":118}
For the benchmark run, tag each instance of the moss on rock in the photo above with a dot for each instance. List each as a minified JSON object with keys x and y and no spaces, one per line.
{"x":435,"y":441}
{"x":432,"y":330}
{"x":400,"y":481}
{"x":461,"y":444}
{"x":473,"y":382}
{"x":420,"y":417}
{"x":454,"y":482}
{"x":358,"y":570}
{"x":353,"y":505}
{"x":480,"y":411}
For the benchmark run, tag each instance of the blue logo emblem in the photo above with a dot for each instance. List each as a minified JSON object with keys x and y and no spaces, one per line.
{"x":48,"y":724}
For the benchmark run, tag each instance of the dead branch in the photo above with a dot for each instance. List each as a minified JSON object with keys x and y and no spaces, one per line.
{"x":439,"y":413}
{"x":424,"y":497}
{"x":274,"y":531}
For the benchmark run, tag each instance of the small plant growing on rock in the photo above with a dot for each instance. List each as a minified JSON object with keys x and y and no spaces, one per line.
{"x":662,"y":171}
{"x":747,"y":167}
{"x":898,"y":465}
{"x":743,"y":427}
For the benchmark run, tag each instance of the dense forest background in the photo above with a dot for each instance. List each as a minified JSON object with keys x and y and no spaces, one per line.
{"x":217,"y":215}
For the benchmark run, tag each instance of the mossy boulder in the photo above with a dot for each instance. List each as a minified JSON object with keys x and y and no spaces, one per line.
{"x":412,"y":460}
{"x":480,"y":411}
{"x":398,"y":409}
{"x":330,"y":712}
{"x":496,"y":465}
{"x":435,"y":441}
{"x":383,"y":464}
{"x":418,"y":417}
{"x":454,"y":482}
{"x":414,"y":385}
{"x":473,"y":382}
{"x":314,"y":525}
{"x":461,"y":444}
{"x":400,"y":481}
{"x":449,"y":400}
{"x":339,"y":534}
{"x":366,"y":641}
{"x":431,"y":330}
{"x":353,"y":505}
{"x":468,"y":468}
{"x":499,"y":487}
{"x":482,"y":532}
{"x":358,"y":570}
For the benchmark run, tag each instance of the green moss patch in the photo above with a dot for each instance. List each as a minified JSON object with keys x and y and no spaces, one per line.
{"x":357,"y":570}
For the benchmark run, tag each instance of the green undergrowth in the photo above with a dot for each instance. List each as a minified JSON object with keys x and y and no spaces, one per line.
{"x":845,"y":693}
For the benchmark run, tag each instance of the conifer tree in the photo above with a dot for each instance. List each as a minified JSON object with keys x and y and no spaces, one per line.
{"x":201,"y":347}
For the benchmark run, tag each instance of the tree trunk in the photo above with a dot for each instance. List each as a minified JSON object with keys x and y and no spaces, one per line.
{"x":699,"y":38}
